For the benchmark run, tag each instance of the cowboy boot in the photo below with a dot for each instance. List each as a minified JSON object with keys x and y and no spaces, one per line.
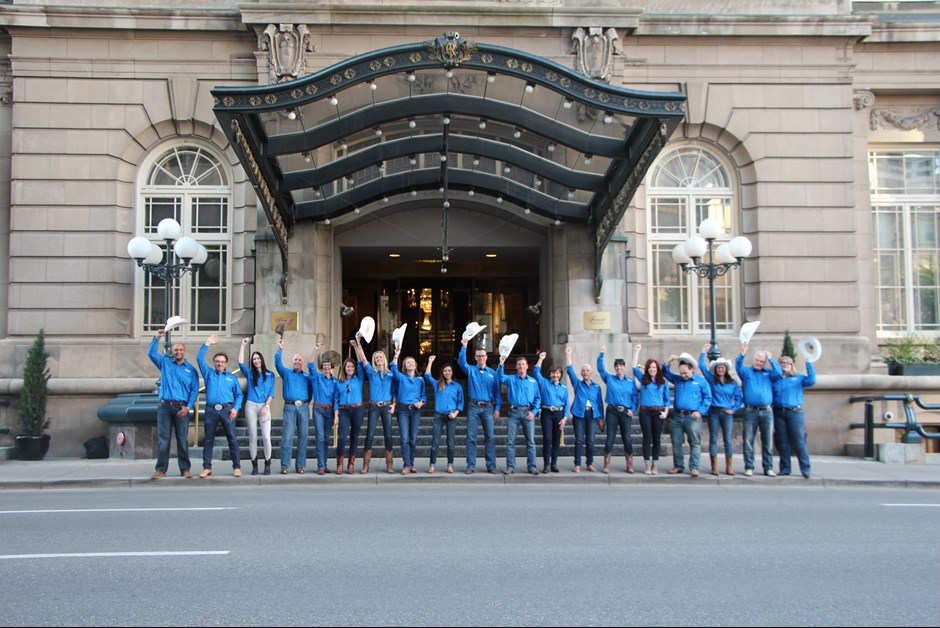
{"x":629,"y":463}
{"x":339,"y":464}
{"x":729,"y":467}
{"x":267,"y":466}
{"x":389,"y":462}
{"x":351,"y":467}
{"x":254,"y":466}
{"x":607,"y":458}
{"x":366,"y":459}
{"x":714,"y":465}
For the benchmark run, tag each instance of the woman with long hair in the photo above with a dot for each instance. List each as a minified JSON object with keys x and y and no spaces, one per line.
{"x":654,"y":407}
{"x":349,"y":412}
{"x":411,"y":398}
{"x":381,"y":403}
{"x":448,"y":402}
{"x":726,"y":399}
{"x":257,"y":405}
{"x":554,"y":413}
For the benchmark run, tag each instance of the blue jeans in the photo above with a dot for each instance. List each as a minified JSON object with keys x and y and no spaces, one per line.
{"x":167,"y":421}
{"x":615,"y":419}
{"x":551,"y":436}
{"x":517,"y":418}
{"x":295,"y":418}
{"x":719,"y":419}
{"x":480,"y":414}
{"x":442,"y":422}
{"x":692,"y":428}
{"x":790,"y":431}
{"x":350,"y":422}
{"x":374,"y":413}
{"x":584,"y":432}
{"x":212,"y":419}
{"x":408,"y":422}
{"x":764,"y":421}
{"x":323,"y":425}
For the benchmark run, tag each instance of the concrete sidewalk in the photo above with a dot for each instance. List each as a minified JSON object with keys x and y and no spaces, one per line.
{"x":80,"y":473}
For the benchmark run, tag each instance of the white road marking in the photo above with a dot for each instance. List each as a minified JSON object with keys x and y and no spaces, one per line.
{"x":34,"y":512}
{"x":912,"y":505}
{"x":111,"y":554}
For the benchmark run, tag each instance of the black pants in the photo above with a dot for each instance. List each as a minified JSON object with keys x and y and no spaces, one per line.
{"x":551,"y":436}
{"x":652,"y":427}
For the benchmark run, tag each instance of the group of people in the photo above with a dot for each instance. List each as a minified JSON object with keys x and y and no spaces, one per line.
{"x":770,"y":393}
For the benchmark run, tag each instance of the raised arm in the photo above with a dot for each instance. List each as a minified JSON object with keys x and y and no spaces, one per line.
{"x":431,"y":359}
{"x":357,"y":346}
{"x":636,"y":355}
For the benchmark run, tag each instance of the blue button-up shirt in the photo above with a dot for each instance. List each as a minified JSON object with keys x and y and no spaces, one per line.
{"x":410,"y":389}
{"x":584,"y":393}
{"x":693,"y":394}
{"x":757,"y":385}
{"x":788,"y":391}
{"x":621,"y":391}
{"x":523,"y":391}
{"x":381,"y":385}
{"x":263,"y":390}
{"x":178,"y":382}
{"x":326,"y":390}
{"x":555,"y":395}
{"x":221,"y":388}
{"x":350,"y":391}
{"x":726,"y":396}
{"x":652,"y":395}
{"x":295,"y":384}
{"x":448,"y":400}
{"x":482,"y":384}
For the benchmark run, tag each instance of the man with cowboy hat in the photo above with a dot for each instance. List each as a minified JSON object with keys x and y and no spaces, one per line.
{"x":693,"y":398}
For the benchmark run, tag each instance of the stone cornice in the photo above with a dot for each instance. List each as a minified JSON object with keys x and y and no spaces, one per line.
{"x":894,"y":33}
{"x":125,"y":19}
{"x":854,"y":27}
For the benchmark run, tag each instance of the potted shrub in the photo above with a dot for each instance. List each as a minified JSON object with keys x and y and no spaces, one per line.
{"x":911,"y":355}
{"x":32,"y":442}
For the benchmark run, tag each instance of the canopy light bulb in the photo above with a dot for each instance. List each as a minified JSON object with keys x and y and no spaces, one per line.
{"x":566,"y":104}
{"x":412,"y":124}
{"x":334,"y":101}
{"x":291,"y":115}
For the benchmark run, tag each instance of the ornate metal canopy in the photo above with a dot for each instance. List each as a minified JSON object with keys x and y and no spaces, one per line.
{"x":447,"y":117}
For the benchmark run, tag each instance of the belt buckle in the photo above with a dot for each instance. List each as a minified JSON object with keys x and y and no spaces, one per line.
{"x":218,"y":406}
{"x":298,"y":403}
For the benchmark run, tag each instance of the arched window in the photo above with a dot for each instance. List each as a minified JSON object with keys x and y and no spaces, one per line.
{"x":686,"y":185}
{"x":189,"y":183}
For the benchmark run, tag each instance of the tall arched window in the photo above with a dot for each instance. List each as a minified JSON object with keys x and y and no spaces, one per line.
{"x":189,"y":183}
{"x":686,"y":185}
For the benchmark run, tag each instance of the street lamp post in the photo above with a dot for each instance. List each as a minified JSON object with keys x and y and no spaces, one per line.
{"x":690,"y":255}
{"x":149,"y":256}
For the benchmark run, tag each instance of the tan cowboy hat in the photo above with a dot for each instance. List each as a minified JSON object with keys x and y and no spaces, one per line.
{"x":398,"y":335}
{"x":810,"y":347}
{"x":687,"y":358}
{"x":367,"y":328}
{"x":506,"y":344}
{"x":472,"y":330}
{"x":725,"y":361}
{"x":748,"y":330}
{"x":173,"y":322}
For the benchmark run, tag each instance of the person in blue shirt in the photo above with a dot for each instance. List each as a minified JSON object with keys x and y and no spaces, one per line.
{"x":179,"y":388}
{"x":257,"y":405}
{"x":223,"y":399}
{"x":349,"y":412}
{"x":325,"y":393}
{"x":448,"y":402}
{"x":411,"y":398}
{"x":382,"y":390}
{"x":789,"y":419}
{"x":553,"y":416}
{"x":483,"y":407}
{"x":757,"y":388}
{"x":586,"y":408}
{"x":654,"y":408}
{"x":622,"y":402}
{"x":295,"y":387}
{"x":693,"y":398}
{"x":726,"y":399}
{"x":525,"y":403}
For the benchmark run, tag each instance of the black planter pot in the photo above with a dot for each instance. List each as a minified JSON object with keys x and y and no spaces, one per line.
{"x":32,"y":447}
{"x":913,"y":369}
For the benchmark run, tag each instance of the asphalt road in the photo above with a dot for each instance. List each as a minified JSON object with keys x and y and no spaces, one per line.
{"x":470,"y":555}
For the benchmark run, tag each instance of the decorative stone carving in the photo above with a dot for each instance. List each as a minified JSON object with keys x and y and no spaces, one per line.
{"x":863,"y":98}
{"x":6,"y":94}
{"x":906,"y":119}
{"x":594,"y":51}
{"x":287,"y":46}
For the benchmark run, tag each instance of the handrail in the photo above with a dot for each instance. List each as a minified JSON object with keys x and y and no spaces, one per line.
{"x":914,"y":432}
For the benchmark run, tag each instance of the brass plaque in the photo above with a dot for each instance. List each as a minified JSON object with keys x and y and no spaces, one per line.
{"x":596,"y":320}
{"x":289,"y":320}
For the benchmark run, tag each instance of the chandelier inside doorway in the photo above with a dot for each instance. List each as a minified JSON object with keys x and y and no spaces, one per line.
{"x":427,"y":307}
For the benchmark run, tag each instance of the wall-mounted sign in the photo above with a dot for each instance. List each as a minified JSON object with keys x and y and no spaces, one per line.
{"x":289,"y":319}
{"x":596,"y":320}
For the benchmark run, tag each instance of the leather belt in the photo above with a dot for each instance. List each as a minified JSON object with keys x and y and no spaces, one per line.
{"x":351,"y":405}
{"x":223,"y":406}
{"x":173,"y":403}
{"x":553,"y":408}
{"x":757,"y":407}
{"x":298,"y":402}
{"x":619,"y":408}
{"x":482,"y":403}
{"x":523,"y":408}
{"x":685,"y":412}
{"x":412,"y":406}
{"x":323,"y":405}
{"x":380,"y":404}
{"x":788,"y":408}
{"x":656,"y":408}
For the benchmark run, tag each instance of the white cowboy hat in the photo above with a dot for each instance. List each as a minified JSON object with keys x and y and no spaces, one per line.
{"x":725,"y":361}
{"x":810,"y":347}
{"x":367,"y":328}
{"x":506,"y":344}
{"x":174,"y":322}
{"x":398,"y":335}
{"x":748,"y":330}
{"x":687,"y":358}
{"x":472,"y":330}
